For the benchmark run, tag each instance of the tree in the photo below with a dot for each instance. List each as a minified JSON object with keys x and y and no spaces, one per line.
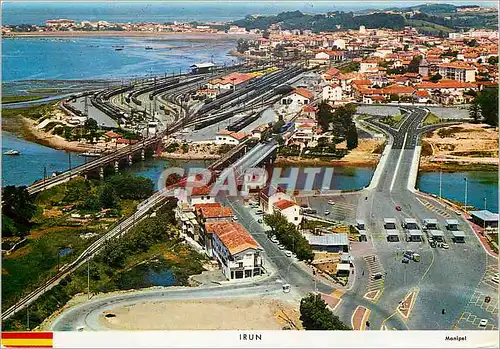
{"x":394,"y":97}
{"x":475,"y":111}
{"x":435,"y":78}
{"x":414,"y":64}
{"x":18,"y":204}
{"x":493,"y":60}
{"x":108,"y":197}
{"x":324,"y":116}
{"x":352,"y":137}
{"x":488,"y":103}
{"x":266,"y":34}
{"x":316,"y":316}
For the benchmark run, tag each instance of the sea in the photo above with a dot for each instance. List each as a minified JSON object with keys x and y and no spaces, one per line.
{"x":87,"y":58}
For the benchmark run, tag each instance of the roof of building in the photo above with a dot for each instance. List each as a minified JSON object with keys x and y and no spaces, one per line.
{"x":236,"y":135}
{"x":208,"y":204}
{"x":392,"y":232}
{"x":436,"y":233}
{"x":203,"y":65}
{"x":452,"y":222}
{"x":410,"y":220}
{"x":111,"y":134}
{"x":233,"y":235}
{"x":303,"y":92}
{"x":284,"y":204}
{"x":414,"y":232}
{"x":202,"y":190}
{"x":309,"y":109}
{"x":422,"y":94}
{"x":430,"y":221}
{"x":456,"y":65}
{"x":444,"y":84}
{"x":397,"y":89}
{"x":458,"y":233}
{"x":216,"y":212}
{"x":338,"y":239}
{"x":485,"y":215}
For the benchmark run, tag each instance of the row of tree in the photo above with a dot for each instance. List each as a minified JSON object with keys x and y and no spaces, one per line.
{"x":289,"y":236}
{"x":484,"y":107}
{"x":340,"y":122}
{"x":316,"y":316}
{"x":333,"y":21}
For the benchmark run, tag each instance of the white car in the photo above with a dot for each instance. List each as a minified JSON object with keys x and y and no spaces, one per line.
{"x":331,"y":202}
{"x":495,"y":279}
{"x":235,"y":218}
{"x":445,"y":245}
{"x":483,"y":322}
{"x":327,"y":213}
{"x":288,"y":253}
{"x":281,"y":247}
{"x":273,"y":239}
{"x":259,"y":211}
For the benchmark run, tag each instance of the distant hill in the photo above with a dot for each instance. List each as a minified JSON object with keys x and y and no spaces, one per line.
{"x":331,"y":21}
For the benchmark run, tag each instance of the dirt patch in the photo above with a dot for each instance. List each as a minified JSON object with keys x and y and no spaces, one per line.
{"x":38,"y":233}
{"x":18,"y":253}
{"x":52,"y":213}
{"x":170,"y":256}
{"x":466,"y":145}
{"x":206,"y":314}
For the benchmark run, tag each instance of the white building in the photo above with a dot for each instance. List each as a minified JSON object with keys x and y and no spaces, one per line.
{"x":269,"y":196}
{"x":290,"y":210}
{"x":298,"y":97}
{"x":332,"y":92}
{"x":458,"y":71}
{"x":235,"y":249}
{"x":229,"y":137}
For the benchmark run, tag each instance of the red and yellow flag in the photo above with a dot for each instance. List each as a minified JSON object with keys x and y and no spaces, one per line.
{"x":27,"y":339}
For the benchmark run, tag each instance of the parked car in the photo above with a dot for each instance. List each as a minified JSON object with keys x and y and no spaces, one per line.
{"x":235,"y":218}
{"x":483,"y":322}
{"x":406,"y":261}
{"x":259,"y":211}
{"x":445,"y":245}
{"x":281,"y":247}
{"x":273,"y":239}
{"x":331,"y":202}
{"x":398,"y":208}
{"x":327,"y":213}
{"x":433,"y":244}
{"x":377,"y":276}
{"x":430,"y":239}
{"x":259,"y":220}
{"x":288,"y":253}
{"x":286,"y":288}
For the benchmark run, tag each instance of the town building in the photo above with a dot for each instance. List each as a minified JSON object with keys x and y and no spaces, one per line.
{"x":458,"y":71}
{"x":229,"y":137}
{"x":290,"y":210}
{"x":237,"y":252}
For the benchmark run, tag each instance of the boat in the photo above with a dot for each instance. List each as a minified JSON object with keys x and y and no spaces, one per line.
{"x":12,"y":152}
{"x":149,"y":48}
{"x":90,"y":155}
{"x":119,"y":49}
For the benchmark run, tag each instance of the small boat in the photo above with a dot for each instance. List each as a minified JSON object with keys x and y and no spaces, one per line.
{"x":149,"y":48}
{"x":119,"y":49}
{"x":90,"y":155}
{"x":12,"y":152}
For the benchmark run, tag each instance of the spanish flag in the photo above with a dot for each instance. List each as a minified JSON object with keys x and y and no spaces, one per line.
{"x":27,"y":339}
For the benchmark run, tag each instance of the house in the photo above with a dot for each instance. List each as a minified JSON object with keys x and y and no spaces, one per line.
{"x":229,"y":137}
{"x":309,"y":111}
{"x":290,"y":210}
{"x":207,"y":213}
{"x":269,"y":196}
{"x":332,"y":93}
{"x":329,"y":242}
{"x":195,"y":195}
{"x":458,"y":71}
{"x":484,"y":218}
{"x":368,"y":65}
{"x":237,"y":252}
{"x":111,"y":136}
{"x":421,"y":96}
{"x":299,"y":96}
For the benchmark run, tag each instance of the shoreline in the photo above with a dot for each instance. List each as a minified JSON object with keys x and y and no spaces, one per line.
{"x":131,"y":34}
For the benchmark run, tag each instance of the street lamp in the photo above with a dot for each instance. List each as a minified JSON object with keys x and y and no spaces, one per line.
{"x":465,"y":195}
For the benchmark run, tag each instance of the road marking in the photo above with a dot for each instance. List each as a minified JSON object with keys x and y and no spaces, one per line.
{"x":398,"y":163}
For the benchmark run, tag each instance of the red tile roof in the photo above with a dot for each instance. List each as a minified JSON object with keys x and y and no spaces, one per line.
{"x":456,"y":65}
{"x":233,"y":235}
{"x":303,"y":92}
{"x":444,"y":84}
{"x":216,"y":212}
{"x":398,"y":89}
{"x":284,"y":204}
{"x":111,"y":134}
{"x":332,"y":71}
{"x":236,"y":135}
{"x":198,"y":207}
{"x":203,"y":190}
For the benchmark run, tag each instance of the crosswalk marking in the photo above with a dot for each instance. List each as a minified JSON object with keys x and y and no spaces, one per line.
{"x":374,"y":267}
{"x":434,"y":209}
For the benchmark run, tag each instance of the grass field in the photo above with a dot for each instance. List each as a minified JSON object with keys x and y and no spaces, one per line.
{"x":16,"y":99}
{"x":431,"y":119}
{"x":428,"y":26}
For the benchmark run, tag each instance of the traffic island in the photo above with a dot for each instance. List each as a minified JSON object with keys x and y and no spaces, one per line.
{"x":373,"y":296}
{"x":331,"y":301}
{"x":405,"y":307}
{"x":359,"y":318}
